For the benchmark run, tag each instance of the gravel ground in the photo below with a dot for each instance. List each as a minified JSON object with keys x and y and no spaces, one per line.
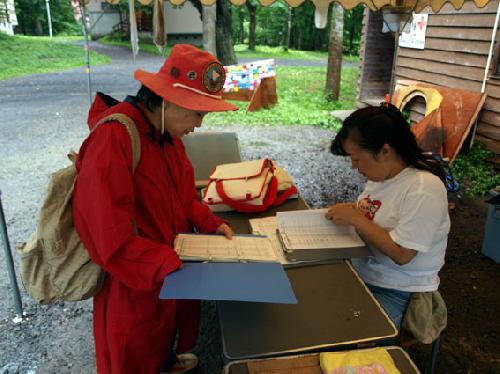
{"x":41,"y":118}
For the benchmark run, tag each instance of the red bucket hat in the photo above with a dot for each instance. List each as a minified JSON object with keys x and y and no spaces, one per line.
{"x":190,"y":78}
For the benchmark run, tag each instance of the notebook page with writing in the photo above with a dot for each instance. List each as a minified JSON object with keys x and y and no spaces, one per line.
{"x":309,"y":229}
{"x":198,"y":247}
{"x":268,"y":226}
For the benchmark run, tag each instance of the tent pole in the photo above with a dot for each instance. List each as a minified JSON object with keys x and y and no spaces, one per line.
{"x":49,"y":18}
{"x":486,"y":70}
{"x":10,"y":264}
{"x":490,"y":53}
{"x":393,"y":69}
{"x":87,"y":54}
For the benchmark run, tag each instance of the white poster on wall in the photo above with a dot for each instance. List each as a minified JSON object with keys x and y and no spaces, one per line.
{"x":414,"y":35}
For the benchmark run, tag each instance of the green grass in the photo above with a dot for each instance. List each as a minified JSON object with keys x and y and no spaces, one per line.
{"x":24,"y":55}
{"x":145,"y":45}
{"x":300,"y":100}
{"x":351,"y":58}
{"x":474,"y":172}
{"x":263,"y":51}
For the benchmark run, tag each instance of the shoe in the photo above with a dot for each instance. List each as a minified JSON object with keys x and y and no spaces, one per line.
{"x":185,"y":362}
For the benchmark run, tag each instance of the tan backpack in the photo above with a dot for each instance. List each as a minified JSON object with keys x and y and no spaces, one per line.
{"x":54,"y":263}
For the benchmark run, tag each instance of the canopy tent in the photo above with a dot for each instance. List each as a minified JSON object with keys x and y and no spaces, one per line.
{"x":323,"y":5}
{"x":406,"y":6}
{"x":416,"y":5}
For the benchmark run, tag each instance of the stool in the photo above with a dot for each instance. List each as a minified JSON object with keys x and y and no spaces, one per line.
{"x":423,"y":322}
{"x":431,"y":365}
{"x":434,"y":353}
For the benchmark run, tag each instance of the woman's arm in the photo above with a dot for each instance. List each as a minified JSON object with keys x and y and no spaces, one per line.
{"x":348,"y":214}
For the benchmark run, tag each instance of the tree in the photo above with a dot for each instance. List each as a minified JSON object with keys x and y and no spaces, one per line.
{"x":241,"y":31}
{"x":252,"y":12}
{"x":353,"y":20}
{"x":223,"y":34}
{"x":332,"y":88}
{"x":288,"y":29}
{"x":304,"y":35}
{"x":32,"y":17}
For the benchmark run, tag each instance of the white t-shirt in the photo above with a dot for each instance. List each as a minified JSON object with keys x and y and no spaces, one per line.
{"x":413,"y":208}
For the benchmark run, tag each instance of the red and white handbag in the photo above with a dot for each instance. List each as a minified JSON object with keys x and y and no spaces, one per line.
{"x":248,"y":187}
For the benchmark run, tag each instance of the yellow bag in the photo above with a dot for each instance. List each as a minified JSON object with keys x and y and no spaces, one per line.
{"x":376,"y":361}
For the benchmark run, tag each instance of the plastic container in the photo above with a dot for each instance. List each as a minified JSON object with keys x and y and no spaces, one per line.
{"x":491,"y":242}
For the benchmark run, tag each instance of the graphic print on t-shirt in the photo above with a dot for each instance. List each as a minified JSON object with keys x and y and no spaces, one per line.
{"x":369,"y":207}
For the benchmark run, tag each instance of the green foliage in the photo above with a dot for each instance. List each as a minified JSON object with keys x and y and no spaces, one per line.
{"x":32,"y":17}
{"x":352,"y":30}
{"x":23,"y":55}
{"x":271,"y":26}
{"x":475,"y":174}
{"x":304,"y":34}
{"x":300,"y":100}
{"x":271,"y":23}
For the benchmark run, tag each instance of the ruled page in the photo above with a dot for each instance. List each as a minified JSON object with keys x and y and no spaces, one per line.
{"x":309,"y":229}
{"x":218,"y":248}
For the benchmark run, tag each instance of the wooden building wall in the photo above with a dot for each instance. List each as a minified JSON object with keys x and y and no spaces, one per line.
{"x":455,"y":55}
{"x":376,"y":53}
{"x":456,"y":50}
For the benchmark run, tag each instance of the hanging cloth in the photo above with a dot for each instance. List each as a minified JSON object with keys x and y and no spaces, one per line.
{"x":134,"y":40}
{"x":159,"y":32}
{"x":321,"y":13}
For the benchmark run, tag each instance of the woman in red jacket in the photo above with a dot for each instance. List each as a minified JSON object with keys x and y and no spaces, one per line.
{"x":128,"y":219}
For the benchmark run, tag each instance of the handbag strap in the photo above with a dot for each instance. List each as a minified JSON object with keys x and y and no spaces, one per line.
{"x":280,"y":198}
{"x":272,"y":191}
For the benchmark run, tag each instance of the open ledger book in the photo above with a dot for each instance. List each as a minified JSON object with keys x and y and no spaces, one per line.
{"x":242,"y":248}
{"x":309,"y":229}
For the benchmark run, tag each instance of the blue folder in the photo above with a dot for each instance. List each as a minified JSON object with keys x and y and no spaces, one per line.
{"x":233,"y":281}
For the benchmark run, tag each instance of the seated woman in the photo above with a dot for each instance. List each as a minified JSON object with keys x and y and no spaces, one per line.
{"x":402,"y":214}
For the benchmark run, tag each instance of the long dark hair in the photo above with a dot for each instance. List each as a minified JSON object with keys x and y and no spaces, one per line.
{"x":372,"y":127}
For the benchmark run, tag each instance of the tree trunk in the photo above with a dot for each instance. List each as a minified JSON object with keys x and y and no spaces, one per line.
{"x":288,"y":29}
{"x":38,"y":27}
{"x":351,"y":35}
{"x":332,"y":88}
{"x":209,"y":38}
{"x":252,"y":11}
{"x":241,"y":35}
{"x":224,"y":40}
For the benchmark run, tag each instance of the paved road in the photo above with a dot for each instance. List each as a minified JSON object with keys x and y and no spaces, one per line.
{"x":53,"y":96}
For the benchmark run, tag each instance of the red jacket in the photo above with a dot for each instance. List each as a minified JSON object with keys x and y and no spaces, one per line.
{"x":133,"y":328}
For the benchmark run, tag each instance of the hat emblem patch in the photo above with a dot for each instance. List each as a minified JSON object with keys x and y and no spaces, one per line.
{"x":174,"y":72}
{"x":214,"y":77}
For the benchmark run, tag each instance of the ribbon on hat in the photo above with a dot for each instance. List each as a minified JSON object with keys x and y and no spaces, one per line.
{"x":218,"y":97}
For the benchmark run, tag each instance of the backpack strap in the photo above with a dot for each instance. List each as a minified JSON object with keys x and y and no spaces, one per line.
{"x":132,"y":131}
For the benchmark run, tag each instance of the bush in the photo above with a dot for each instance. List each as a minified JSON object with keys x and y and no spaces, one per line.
{"x":476,"y":174}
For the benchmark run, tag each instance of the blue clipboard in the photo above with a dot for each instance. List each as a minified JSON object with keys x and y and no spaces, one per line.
{"x":230,"y":281}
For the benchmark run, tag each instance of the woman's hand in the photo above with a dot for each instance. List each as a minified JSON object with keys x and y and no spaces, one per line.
{"x":225,"y":230}
{"x":344,"y":214}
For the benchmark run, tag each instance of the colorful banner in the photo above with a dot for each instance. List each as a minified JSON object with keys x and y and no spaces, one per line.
{"x":248,"y":76}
